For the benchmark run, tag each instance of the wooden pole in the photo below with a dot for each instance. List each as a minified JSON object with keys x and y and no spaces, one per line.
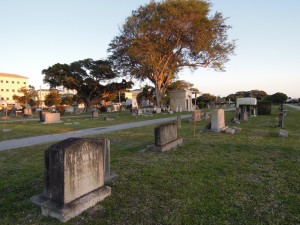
{"x":195,"y":114}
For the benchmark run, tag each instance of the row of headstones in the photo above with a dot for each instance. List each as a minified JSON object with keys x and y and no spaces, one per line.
{"x":217,"y":122}
{"x":77,"y":171}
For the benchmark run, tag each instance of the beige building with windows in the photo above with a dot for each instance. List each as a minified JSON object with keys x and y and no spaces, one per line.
{"x":9,"y":86}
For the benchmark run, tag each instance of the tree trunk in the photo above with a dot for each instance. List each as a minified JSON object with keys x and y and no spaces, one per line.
{"x":158,"y":95}
{"x":87,"y":105}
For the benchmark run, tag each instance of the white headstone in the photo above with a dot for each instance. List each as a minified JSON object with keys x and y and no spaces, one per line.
{"x":218,"y":120}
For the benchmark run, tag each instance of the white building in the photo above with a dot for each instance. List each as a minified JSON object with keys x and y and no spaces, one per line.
{"x":9,"y":86}
{"x":181,"y":100}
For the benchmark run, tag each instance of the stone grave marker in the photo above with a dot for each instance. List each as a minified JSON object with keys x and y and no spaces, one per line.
{"x":74,"y":178}
{"x":282,"y":115}
{"x":134,"y":111}
{"x":165,"y":137}
{"x":140,"y":112}
{"x":95,"y":114}
{"x":205,"y":115}
{"x":283,"y":133}
{"x":196,"y":115}
{"x":158,"y":110}
{"x":51,"y":118}
{"x":244,"y":114}
{"x":179,"y":121}
{"x":42,"y":115}
{"x":27,"y":112}
{"x":218,"y":120}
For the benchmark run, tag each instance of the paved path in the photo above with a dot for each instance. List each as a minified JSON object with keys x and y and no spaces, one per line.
{"x":25,"y":142}
{"x":293,"y":106}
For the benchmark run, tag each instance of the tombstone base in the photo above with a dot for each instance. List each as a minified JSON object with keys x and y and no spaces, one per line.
{"x":218,"y":130}
{"x":110,"y":178}
{"x":60,"y":121}
{"x":166,"y":147}
{"x":67,"y":211}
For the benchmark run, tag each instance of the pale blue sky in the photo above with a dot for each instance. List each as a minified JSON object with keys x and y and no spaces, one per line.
{"x":36,"y":34}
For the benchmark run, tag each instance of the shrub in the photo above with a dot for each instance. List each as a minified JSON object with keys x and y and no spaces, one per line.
{"x":264,"y":108}
{"x":61,"y":109}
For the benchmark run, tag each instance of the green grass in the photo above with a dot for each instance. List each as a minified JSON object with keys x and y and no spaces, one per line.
{"x":24,"y":127}
{"x":252,"y":177}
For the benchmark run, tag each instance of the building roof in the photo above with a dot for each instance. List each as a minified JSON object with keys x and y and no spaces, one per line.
{"x":12,"y":75}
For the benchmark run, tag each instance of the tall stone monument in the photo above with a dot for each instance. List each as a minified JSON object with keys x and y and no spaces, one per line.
{"x":74,"y":177}
{"x":218,"y":120}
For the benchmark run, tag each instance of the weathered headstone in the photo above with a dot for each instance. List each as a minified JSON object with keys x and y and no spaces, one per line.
{"x":205,"y":116}
{"x":95,"y":114}
{"x":158,"y":110}
{"x":27,"y":112}
{"x":75,"y":171}
{"x":218,"y":120}
{"x":196,"y":115}
{"x":134,"y":111}
{"x":179,"y":121}
{"x":282,"y":115}
{"x":237,"y":114}
{"x":283,"y":133}
{"x":244,"y":113}
{"x":51,"y":118}
{"x":42,"y":115}
{"x":140,"y":112}
{"x":166,"y":137}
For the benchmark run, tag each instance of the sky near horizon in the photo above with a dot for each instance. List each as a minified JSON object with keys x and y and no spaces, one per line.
{"x":36,"y":34}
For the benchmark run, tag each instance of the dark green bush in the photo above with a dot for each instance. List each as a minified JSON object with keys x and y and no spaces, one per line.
{"x":264,"y":108}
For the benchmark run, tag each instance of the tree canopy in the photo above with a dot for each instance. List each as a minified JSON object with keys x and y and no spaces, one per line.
{"x":29,"y":94}
{"x":259,"y":94}
{"x":53,"y":98}
{"x":161,"y":38}
{"x":84,"y":76}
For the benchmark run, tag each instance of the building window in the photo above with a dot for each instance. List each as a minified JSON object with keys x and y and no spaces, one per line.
{"x":12,"y":82}
{"x":2,"y":98}
{"x":1,"y":81}
{"x":24,"y":82}
{"x":18,"y":82}
{"x":2,"y":89}
{"x":13,"y":90}
{"x":7,"y":90}
{"x":7,"y":98}
{"x":7,"y":81}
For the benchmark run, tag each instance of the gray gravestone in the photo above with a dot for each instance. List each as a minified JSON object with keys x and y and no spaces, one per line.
{"x":166,"y":137}
{"x":179,"y":121}
{"x":95,"y":114}
{"x":282,"y":115}
{"x":74,"y":177}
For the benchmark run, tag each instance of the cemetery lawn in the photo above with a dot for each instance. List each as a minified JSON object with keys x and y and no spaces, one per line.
{"x":252,"y":177}
{"x":26,"y":127}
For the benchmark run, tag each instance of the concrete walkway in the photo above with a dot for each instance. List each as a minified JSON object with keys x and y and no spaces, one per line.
{"x":293,"y":106}
{"x":30,"y":141}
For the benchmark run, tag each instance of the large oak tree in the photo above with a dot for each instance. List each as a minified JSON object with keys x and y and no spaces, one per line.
{"x":161,"y":38}
{"x":84,"y":76}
